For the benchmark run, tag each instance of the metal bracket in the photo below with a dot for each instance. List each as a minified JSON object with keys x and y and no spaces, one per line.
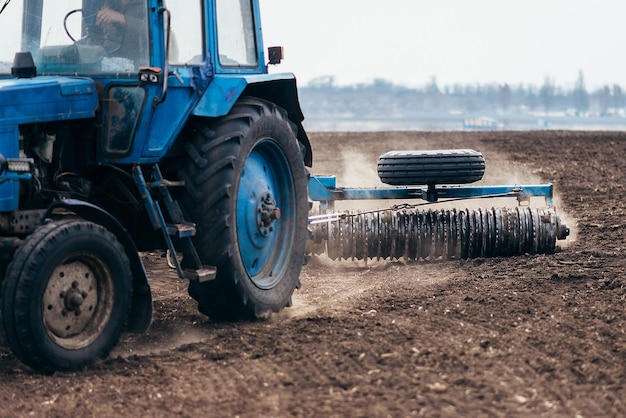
{"x":324,"y":190}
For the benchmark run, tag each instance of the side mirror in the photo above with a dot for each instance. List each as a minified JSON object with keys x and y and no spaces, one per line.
{"x":275,"y":54}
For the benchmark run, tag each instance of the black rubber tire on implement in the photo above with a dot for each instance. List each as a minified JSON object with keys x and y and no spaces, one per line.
{"x":405,"y":168}
{"x":231,"y":164}
{"x":71,"y":263}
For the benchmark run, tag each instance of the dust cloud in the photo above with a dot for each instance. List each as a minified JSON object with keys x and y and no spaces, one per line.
{"x":359,"y":170}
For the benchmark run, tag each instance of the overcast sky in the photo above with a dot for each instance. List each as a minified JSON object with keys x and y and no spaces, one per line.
{"x":457,"y":41}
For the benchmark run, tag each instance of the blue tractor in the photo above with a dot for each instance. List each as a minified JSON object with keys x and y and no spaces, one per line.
{"x":139,"y":125}
{"x":132,"y":125}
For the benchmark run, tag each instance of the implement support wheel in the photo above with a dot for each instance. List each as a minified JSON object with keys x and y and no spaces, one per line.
{"x":406,"y":168}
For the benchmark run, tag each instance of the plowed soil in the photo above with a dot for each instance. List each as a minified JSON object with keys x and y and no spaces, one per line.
{"x":528,"y":336}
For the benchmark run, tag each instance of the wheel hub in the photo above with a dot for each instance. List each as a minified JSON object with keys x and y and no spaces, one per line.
{"x":73,"y":299}
{"x":70,"y":299}
{"x":267,"y":213}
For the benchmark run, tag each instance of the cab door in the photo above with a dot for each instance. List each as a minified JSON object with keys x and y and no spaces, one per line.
{"x":166,"y":98}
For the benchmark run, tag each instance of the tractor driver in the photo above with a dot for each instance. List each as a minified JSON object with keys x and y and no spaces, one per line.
{"x":123,"y":24}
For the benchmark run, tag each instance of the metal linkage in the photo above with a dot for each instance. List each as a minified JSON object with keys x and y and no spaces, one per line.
{"x":439,"y":234}
{"x":324,"y":190}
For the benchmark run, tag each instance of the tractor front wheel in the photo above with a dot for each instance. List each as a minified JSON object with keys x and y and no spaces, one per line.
{"x":66,"y":296}
{"x":246,"y":190}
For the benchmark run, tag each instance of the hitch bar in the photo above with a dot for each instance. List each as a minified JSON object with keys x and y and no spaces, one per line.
{"x":324,"y":190}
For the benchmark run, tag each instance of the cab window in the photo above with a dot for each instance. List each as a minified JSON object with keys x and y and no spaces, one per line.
{"x":186,"y":40}
{"x":235,"y":33}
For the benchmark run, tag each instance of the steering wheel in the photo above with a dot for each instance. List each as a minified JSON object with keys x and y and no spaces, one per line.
{"x":108,"y":36}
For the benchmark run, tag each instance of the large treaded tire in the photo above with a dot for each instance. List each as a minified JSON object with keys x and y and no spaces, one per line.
{"x":405,"y":168}
{"x":57,"y":263}
{"x":237,"y":166}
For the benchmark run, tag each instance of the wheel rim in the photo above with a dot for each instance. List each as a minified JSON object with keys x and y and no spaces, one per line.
{"x":78,"y":301}
{"x":266,"y":213}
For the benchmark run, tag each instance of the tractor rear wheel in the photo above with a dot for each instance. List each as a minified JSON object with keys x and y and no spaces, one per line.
{"x":66,"y":296}
{"x":246,"y":190}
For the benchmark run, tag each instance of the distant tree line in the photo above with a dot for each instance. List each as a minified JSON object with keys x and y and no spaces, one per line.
{"x":383,"y":98}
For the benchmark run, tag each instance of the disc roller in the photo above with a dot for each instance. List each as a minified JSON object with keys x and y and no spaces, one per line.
{"x":439,"y":234}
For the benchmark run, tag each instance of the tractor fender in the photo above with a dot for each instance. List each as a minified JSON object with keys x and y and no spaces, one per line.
{"x":140,"y":315}
{"x":280,"y":89}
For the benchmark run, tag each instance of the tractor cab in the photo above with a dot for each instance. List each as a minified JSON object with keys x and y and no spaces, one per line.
{"x":119,"y":37}
{"x":137,"y":53}
{"x":86,"y":37}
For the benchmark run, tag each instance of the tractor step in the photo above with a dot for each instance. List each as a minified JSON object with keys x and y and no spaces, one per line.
{"x":203,"y":274}
{"x":181,"y":230}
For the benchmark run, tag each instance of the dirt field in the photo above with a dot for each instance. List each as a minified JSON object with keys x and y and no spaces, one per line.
{"x":525,"y":336}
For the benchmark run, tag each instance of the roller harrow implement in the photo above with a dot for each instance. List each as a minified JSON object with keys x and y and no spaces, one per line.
{"x":404,"y":231}
{"x":442,"y":234}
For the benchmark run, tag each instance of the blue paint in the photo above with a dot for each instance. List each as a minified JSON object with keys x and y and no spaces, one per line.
{"x":324,"y":189}
{"x":261,"y":189}
{"x":225,"y":89}
{"x":46,"y":99}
